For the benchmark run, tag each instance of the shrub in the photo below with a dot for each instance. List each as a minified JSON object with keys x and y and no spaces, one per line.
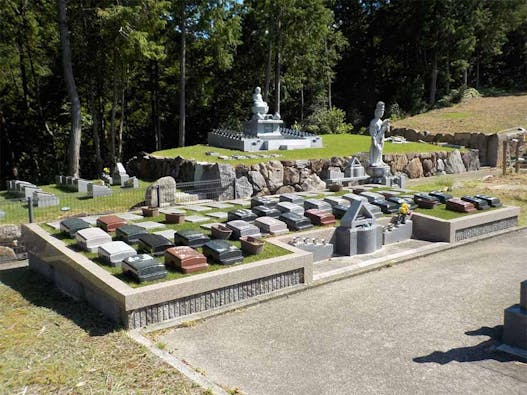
{"x":327,"y":121}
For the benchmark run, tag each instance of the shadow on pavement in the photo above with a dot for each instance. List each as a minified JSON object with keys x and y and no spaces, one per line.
{"x":37,"y":290}
{"x":480,"y":352}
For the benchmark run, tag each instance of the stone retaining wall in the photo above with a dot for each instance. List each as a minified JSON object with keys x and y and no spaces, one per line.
{"x":490,"y":146}
{"x":275,"y":176}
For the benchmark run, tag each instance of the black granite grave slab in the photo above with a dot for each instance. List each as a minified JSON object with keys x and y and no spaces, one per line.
{"x":262,"y":201}
{"x":241,"y":214}
{"x":340,"y":210}
{"x":317,"y":204}
{"x":492,"y":201}
{"x":424,"y":200}
{"x":73,"y":225}
{"x":295,"y":221}
{"x":386,"y":206}
{"x":190,"y":237}
{"x":442,"y":196}
{"x":129,"y":233}
{"x":143,"y":267}
{"x":398,"y":200}
{"x":154,"y":244}
{"x":292,"y":198}
{"x":266,"y":211}
{"x":480,"y":204}
{"x":223,"y":252}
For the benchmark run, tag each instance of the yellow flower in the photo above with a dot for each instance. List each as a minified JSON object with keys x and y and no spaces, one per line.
{"x":106,"y":170}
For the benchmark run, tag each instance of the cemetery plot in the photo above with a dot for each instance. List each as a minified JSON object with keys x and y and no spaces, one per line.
{"x":296,"y":221}
{"x":272,"y":226}
{"x":73,"y":225}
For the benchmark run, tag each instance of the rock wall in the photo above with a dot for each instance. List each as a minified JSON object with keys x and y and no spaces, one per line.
{"x":275,"y":177}
{"x":489,"y":146}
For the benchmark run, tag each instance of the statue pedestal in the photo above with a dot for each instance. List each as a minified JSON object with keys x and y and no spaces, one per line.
{"x":379,"y":174}
{"x":264,"y":128}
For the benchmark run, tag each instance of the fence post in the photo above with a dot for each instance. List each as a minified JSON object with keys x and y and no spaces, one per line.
{"x":30,"y":208}
{"x":234,"y":188}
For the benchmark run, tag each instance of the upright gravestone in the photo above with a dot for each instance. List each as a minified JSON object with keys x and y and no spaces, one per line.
{"x":165,"y":187}
{"x":515,"y":326}
{"x":119,"y":175}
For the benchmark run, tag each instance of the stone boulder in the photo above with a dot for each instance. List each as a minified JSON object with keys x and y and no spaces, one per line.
{"x":454,"y":163}
{"x":428,"y":167}
{"x":243,"y":188}
{"x":291,"y":175}
{"x":257,"y":181}
{"x":285,"y":189}
{"x":226,"y":175}
{"x":313,"y":183}
{"x":275,"y":175}
{"x":414,"y":168}
{"x":470,"y":160}
{"x":167,"y":192}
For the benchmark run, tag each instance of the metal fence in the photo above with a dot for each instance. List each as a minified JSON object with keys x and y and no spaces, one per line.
{"x":17,"y":210}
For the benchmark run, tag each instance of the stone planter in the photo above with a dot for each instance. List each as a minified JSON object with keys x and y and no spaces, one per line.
{"x":220,"y":232}
{"x":174,"y":218}
{"x":150,"y":211}
{"x":252,"y":245}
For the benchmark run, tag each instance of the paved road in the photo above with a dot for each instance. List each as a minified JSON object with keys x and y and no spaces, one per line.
{"x":426,"y":326}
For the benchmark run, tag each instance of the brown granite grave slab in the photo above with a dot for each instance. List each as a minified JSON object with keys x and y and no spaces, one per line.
{"x":110,"y":222}
{"x":460,"y":206}
{"x":320,"y":217}
{"x":185,"y":259}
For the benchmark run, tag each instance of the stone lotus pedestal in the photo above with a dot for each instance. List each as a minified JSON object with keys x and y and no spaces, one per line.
{"x":150,"y":211}
{"x":174,"y":218}
{"x":221,"y":232}
{"x":252,"y":245}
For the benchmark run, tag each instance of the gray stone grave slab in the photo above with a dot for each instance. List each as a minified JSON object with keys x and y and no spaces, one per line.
{"x":197,"y":208}
{"x":130,"y":216}
{"x":150,"y":225}
{"x":240,"y":202}
{"x":43,"y":199}
{"x":317,"y":204}
{"x":287,"y":207}
{"x":91,"y":219}
{"x":115,"y":252}
{"x":219,"y":205}
{"x":81,"y":185}
{"x":292,"y":198}
{"x":372,"y":196}
{"x":90,"y":239}
{"x":336,"y":201}
{"x":307,"y":194}
{"x":168,"y":233}
{"x":243,"y":228}
{"x":219,"y":215}
{"x":209,"y":225}
{"x":132,"y":182}
{"x":171,"y":210}
{"x":30,"y":191}
{"x":99,"y":190}
{"x":144,"y":268}
{"x":271,"y":226}
{"x":129,"y":233}
{"x":55,"y":224}
{"x":194,"y":219}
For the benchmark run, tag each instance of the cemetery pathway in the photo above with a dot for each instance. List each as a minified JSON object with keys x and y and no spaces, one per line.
{"x":426,"y":326}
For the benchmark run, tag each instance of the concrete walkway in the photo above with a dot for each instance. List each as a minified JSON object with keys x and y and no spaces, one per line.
{"x":426,"y":326}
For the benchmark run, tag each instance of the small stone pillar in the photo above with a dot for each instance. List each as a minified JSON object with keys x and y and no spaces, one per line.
{"x":515,"y":326}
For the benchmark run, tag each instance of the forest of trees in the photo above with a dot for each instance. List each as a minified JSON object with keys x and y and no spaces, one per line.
{"x":86,"y":83}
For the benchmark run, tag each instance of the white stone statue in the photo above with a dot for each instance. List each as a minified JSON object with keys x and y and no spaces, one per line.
{"x":377,"y":129}
{"x":260,"y":108}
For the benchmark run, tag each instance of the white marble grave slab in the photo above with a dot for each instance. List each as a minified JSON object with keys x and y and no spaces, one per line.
{"x":90,"y":239}
{"x":169,"y":210}
{"x":115,"y":252}
{"x":91,"y":219}
{"x":197,"y":208}
{"x":150,"y":225}
{"x":219,"y":205}
{"x":219,"y":215}
{"x":194,"y":219}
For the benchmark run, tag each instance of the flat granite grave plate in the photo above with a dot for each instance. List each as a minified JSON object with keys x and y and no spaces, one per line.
{"x":320,"y":217}
{"x":336,"y":201}
{"x":171,"y":210}
{"x":223,"y":252}
{"x":129,"y":233}
{"x":292,"y":198}
{"x":197,"y":208}
{"x":389,"y":194}
{"x":185,"y":259}
{"x":460,"y":206}
{"x":73,"y":225}
{"x":90,"y":239}
{"x":242,"y":214}
{"x":491,"y":200}
{"x":130,"y":216}
{"x":219,"y":215}
{"x":240,"y":202}
{"x":442,"y":196}
{"x":219,"y":205}
{"x":168,"y":233}
{"x":386,"y":206}
{"x":288,"y":207}
{"x":264,"y":211}
{"x":190,"y":237}
{"x":272,"y":226}
{"x":340,"y":210}
{"x":55,"y":225}
{"x":115,"y":252}
{"x":371,"y":196}
{"x":243,"y":228}
{"x":154,"y":244}
{"x":194,"y":219}
{"x":399,"y":200}
{"x":424,"y":200}
{"x":350,"y":197}
{"x":317,"y":204}
{"x":150,"y":225}
{"x":143,"y":267}
{"x":296,"y":221}
{"x":110,"y":222}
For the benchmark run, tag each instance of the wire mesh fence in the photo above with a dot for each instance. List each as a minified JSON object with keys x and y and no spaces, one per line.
{"x":20,"y":209}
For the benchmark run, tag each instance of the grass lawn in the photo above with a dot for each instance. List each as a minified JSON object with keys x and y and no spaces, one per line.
{"x":334,"y":145}
{"x":482,"y":114}
{"x":442,"y":213}
{"x":50,"y":343}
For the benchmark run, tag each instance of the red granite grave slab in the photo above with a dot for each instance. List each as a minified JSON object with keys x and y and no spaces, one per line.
{"x":460,"y":206}
{"x":185,"y":259}
{"x":320,"y":217}
{"x":110,"y":222}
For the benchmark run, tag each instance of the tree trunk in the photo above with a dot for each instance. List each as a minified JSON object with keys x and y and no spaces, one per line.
{"x":465,"y":77}
{"x":328,"y":76}
{"x":96,"y":139}
{"x":477,"y":74}
{"x":302,"y":103}
{"x":277,"y":71}
{"x":121,"y":126}
{"x":154,"y":102}
{"x":112,"y":119}
{"x":448,"y":73}
{"x":433,"y":81}
{"x":75,"y":137}
{"x":23,"y":73}
{"x":182,"y":77}
{"x":268,"y":71}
